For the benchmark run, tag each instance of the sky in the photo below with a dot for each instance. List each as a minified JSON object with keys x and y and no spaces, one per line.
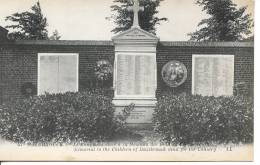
{"x":85,"y":19}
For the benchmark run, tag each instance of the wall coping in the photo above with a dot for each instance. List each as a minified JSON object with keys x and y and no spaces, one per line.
{"x":110,"y":43}
{"x":207,"y":44}
{"x":63,"y":42}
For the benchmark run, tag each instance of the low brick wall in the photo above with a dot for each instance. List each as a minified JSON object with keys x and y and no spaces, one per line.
{"x":18,"y":61}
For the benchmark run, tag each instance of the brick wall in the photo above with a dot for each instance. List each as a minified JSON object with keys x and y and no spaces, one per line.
{"x":18,"y":61}
{"x":19,"y":64}
{"x":244,"y":63}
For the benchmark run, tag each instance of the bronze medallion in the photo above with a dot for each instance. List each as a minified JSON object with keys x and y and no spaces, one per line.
{"x":174,"y":73}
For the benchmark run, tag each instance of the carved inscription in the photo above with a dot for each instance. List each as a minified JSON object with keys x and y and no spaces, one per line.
{"x":135,"y":75}
{"x":213,"y":75}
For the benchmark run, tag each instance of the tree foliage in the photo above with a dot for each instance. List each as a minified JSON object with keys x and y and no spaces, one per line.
{"x":123,"y":18}
{"x":55,"y":35}
{"x":28,"y":25}
{"x":227,"y":22}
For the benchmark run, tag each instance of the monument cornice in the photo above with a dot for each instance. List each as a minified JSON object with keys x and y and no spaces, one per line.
{"x":138,"y":43}
{"x":135,"y":35}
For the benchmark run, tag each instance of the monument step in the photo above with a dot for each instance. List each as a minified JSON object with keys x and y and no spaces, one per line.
{"x":140,"y":126}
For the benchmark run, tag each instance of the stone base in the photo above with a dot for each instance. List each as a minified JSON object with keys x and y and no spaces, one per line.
{"x":142,"y":126}
{"x":143,"y":110}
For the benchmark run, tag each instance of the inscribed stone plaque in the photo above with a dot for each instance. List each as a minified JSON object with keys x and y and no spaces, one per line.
{"x":138,"y":75}
{"x":58,"y":73}
{"x":150,"y":76}
{"x":135,"y":75}
{"x":141,"y":115}
{"x":130,"y":75}
{"x":202,"y":76}
{"x":125,"y":75}
{"x":120,"y":73}
{"x":67,"y":74}
{"x":48,"y":80}
{"x":213,"y":75}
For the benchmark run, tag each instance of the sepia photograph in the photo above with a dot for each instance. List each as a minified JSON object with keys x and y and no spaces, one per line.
{"x":127,"y":80}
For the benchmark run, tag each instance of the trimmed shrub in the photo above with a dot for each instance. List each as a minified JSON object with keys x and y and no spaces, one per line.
{"x":60,"y":118}
{"x":187,"y":119}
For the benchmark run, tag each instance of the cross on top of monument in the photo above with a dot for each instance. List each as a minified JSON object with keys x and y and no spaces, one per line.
{"x":136,"y":8}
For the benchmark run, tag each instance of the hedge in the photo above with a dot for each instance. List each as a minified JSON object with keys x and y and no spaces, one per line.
{"x":61,"y":118}
{"x":188,"y":119}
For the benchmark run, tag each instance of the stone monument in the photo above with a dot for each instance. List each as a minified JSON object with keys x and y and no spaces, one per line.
{"x":135,"y":71}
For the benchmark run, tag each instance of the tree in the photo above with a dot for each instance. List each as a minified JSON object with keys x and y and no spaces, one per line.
{"x":226,"y":22}
{"x":249,"y":39}
{"x":123,"y":18}
{"x":28,"y":25}
{"x":55,"y":35}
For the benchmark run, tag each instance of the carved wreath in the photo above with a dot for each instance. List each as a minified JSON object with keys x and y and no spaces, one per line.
{"x":103,"y":70}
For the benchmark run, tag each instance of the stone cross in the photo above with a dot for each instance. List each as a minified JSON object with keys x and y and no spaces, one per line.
{"x":136,"y":8}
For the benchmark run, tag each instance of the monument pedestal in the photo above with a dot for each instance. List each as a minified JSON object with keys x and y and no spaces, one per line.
{"x":135,"y":74}
{"x":143,"y":109}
